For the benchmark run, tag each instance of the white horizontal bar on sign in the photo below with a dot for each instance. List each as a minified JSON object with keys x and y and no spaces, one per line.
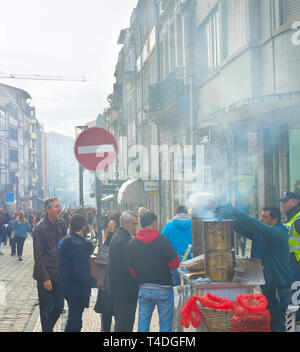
{"x":92,"y":149}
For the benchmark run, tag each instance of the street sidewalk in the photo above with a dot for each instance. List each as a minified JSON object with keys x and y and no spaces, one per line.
{"x":18,"y":289}
{"x":19,"y":310}
{"x":91,"y":319}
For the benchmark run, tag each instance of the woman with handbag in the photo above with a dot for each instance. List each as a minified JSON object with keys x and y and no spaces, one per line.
{"x":20,"y":227}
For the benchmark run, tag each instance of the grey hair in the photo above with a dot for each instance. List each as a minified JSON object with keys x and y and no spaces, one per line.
{"x":126,"y":216}
{"x":48,"y":202}
{"x":142,"y":211}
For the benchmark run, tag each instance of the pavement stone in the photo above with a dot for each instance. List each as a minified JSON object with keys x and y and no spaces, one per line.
{"x":20,"y":291}
{"x":21,"y":311}
{"x":91,"y":320}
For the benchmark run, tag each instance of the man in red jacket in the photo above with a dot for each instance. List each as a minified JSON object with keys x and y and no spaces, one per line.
{"x":151,"y":257}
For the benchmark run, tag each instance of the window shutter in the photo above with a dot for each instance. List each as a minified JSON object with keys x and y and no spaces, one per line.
{"x":292,"y":10}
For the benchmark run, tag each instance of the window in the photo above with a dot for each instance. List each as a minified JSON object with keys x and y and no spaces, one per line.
{"x":162,"y":52}
{"x":179,"y":39}
{"x":281,"y":12}
{"x":210,"y":44}
{"x":13,"y":155}
{"x":172,"y":47}
{"x":12,"y":110}
{"x":12,"y":178}
{"x":294,"y":144}
{"x":166,"y":52}
{"x":291,"y":10}
{"x":13,"y":133}
{"x":285,"y":11}
{"x":213,"y":41}
{"x":235,"y":25}
{"x":2,"y":154}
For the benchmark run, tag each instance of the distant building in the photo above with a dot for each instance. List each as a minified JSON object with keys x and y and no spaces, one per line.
{"x":20,"y":149}
{"x":62,"y":169}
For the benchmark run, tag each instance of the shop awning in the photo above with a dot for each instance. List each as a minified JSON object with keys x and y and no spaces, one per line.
{"x":108,"y":198}
{"x":130,"y":192}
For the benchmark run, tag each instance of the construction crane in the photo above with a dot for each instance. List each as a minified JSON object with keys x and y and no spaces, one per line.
{"x":41,"y":77}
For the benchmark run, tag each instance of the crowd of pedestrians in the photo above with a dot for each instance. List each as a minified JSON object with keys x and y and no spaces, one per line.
{"x":142,"y":261}
{"x":14,"y":229}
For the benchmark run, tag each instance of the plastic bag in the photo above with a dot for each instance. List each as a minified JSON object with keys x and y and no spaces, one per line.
{"x":213,"y":301}
{"x":251,"y":314}
{"x":190,"y":314}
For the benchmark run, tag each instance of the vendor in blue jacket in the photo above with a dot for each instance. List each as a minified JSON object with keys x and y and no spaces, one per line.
{"x":274,"y":257}
{"x":76,"y":280}
{"x":179,"y":233}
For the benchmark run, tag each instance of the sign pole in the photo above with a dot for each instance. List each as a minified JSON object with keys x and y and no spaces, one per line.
{"x":81,"y":201}
{"x":99,"y":196}
{"x":99,"y":208}
{"x":81,"y":188}
{"x":95,"y":149}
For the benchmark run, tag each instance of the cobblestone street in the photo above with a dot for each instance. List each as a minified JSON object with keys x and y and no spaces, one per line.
{"x":21,"y":311}
{"x":20,"y":289}
{"x":91,"y":320}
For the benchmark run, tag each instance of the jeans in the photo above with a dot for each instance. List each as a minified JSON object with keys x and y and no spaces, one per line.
{"x":278,"y":299}
{"x":175,"y":277}
{"x":163,"y":298}
{"x":13,"y":245}
{"x":20,"y":245}
{"x":49,"y":315}
{"x":74,"y":323}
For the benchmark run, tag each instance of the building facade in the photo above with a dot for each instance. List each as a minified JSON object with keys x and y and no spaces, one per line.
{"x":20,"y":149}
{"x":220,"y":74}
{"x":248,"y":98}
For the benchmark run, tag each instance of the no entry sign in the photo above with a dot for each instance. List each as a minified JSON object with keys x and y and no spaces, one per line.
{"x":95,"y":149}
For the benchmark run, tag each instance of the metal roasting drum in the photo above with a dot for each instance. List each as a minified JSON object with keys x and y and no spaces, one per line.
{"x":215,"y":240}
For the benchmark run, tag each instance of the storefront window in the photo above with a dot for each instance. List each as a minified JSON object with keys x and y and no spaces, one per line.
{"x":294,"y":153}
{"x":246,"y":195}
{"x":247,"y":173}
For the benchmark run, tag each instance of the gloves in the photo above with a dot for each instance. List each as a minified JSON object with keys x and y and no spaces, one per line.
{"x":225,"y":212}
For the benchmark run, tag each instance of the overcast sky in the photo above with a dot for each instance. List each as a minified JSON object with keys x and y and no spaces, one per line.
{"x":66,"y":38}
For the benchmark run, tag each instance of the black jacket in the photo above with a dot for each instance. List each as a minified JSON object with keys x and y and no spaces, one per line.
{"x":45,"y":249}
{"x":151,"y":257}
{"x":76,"y":280}
{"x":119,"y":283}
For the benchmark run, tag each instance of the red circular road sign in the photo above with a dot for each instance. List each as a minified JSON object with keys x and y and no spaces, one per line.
{"x":95,"y":149}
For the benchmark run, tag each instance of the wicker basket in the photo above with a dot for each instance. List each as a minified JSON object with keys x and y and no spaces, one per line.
{"x":217,"y":320}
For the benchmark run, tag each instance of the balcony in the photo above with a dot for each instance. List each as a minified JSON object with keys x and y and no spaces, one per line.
{"x":169,"y":96}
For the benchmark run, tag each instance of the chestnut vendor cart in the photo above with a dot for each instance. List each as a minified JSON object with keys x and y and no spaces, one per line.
{"x":215,"y":269}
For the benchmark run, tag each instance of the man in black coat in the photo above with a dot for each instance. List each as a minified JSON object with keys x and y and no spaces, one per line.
{"x":119,"y":282}
{"x":76,"y":280}
{"x":46,"y":237}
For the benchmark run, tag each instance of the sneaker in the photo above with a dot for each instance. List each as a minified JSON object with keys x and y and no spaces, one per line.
{"x":20,"y":259}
